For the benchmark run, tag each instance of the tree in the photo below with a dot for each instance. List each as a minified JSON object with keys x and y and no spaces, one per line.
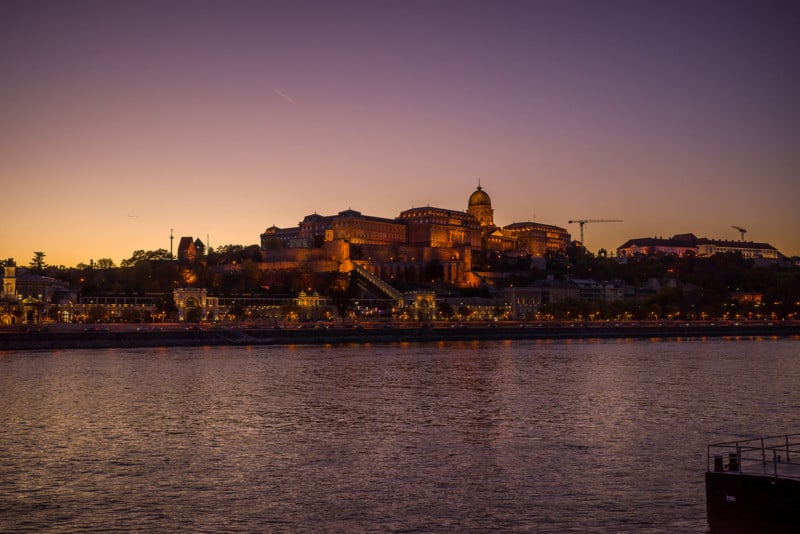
{"x":229,"y":253}
{"x":97,"y":314}
{"x":445,"y":309}
{"x":37,"y":263}
{"x":105,"y":263}
{"x":194,"y":315}
{"x":131,"y":315}
{"x":250,"y":275}
{"x":146,"y":255}
{"x":341,"y":291}
{"x":237,"y":310}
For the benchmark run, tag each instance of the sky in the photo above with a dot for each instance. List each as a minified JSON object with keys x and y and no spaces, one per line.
{"x":121,"y":122}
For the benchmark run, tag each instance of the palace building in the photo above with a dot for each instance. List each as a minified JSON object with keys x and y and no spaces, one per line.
{"x":348,"y":225}
{"x":406,"y":246}
{"x":439,"y":227}
{"x":683,"y":244}
{"x":536,"y":239}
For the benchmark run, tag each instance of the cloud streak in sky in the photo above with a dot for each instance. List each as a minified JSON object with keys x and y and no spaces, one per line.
{"x":284,"y":96}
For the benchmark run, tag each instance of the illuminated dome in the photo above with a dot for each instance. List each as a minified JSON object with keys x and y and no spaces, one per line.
{"x":479,"y":198}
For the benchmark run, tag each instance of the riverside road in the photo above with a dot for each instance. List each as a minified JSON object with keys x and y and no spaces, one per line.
{"x":61,"y":336}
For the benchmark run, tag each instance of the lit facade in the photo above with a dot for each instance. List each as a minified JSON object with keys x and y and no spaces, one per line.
{"x":195,"y":304}
{"x":349,"y":225}
{"x":439,"y":227}
{"x":748,"y":249}
{"x":480,"y":207}
{"x":10,"y":279}
{"x":352,"y":226}
{"x":404,"y":248}
{"x":537,"y":239}
{"x":31,"y":295}
{"x":683,"y":244}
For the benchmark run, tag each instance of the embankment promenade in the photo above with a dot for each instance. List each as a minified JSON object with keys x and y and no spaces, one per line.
{"x":116,"y":336}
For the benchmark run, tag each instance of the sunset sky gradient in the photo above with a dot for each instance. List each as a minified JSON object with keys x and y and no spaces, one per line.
{"x":122,"y":120}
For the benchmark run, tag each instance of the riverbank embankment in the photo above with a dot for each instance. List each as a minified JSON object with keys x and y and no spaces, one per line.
{"x":48,"y":339}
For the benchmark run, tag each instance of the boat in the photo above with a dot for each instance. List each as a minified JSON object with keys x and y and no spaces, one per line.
{"x":753,"y":485}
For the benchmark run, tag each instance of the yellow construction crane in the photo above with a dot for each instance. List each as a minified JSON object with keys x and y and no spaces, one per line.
{"x":742,"y":231}
{"x":584,"y":221}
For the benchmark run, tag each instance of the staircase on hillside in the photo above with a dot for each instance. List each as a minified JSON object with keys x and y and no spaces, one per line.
{"x":372,"y":284}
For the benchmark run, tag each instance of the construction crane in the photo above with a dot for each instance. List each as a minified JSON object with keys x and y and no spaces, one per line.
{"x":742,"y":231}
{"x":584,"y":221}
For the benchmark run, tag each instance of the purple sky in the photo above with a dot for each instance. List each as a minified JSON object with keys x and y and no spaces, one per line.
{"x":122,"y":120}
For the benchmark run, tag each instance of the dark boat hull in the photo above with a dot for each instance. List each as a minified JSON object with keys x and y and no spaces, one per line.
{"x":739,"y":503}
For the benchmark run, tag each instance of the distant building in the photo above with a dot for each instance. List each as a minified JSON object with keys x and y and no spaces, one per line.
{"x":679,"y":245}
{"x":186,"y":250}
{"x":748,"y":249}
{"x":21,"y":283}
{"x":200,"y":248}
{"x":683,"y":244}
{"x":525,"y":302}
{"x":439,"y":227}
{"x":189,"y":250}
{"x":537,"y":239}
{"x":480,"y":207}
{"x":32,"y":294}
{"x":194,"y":304}
{"x":349,"y":225}
{"x":420,"y":244}
{"x":10,"y":279}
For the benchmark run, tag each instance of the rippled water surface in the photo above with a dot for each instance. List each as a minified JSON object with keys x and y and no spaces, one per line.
{"x":604,"y":436}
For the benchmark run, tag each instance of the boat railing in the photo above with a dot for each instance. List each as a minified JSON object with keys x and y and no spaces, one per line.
{"x":777,"y":456}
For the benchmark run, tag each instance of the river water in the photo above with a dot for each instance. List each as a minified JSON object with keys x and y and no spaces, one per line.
{"x":524,"y":436}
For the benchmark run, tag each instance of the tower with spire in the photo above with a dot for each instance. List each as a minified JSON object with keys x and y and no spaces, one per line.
{"x":480,"y":207}
{"x":10,"y":279}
